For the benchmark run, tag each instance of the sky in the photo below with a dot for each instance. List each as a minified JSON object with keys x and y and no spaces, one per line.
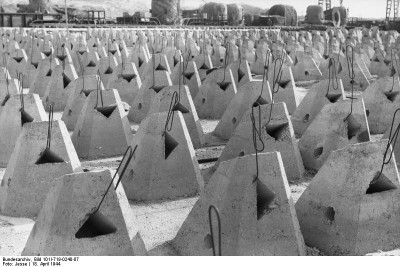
{"x":357,"y":8}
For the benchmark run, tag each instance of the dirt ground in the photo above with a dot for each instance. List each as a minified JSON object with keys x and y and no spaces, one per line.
{"x":158,"y":221}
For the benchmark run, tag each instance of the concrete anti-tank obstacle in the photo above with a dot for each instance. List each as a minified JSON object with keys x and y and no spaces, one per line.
{"x":62,"y":82}
{"x":125,"y":78}
{"x":67,"y":205}
{"x":18,"y":110}
{"x":162,"y":103}
{"x":8,"y":86}
{"x":43,"y":75}
{"x":305,"y":68}
{"x":248,"y":94}
{"x":348,"y":208}
{"x":381,"y":99}
{"x":215,"y":93}
{"x":102,"y":116}
{"x":77,"y":97}
{"x":257,"y":215}
{"x":333,"y":128}
{"x":108,"y":65}
{"x":17,"y":61}
{"x":153,"y":84}
{"x":316,"y":98}
{"x":33,"y":166}
{"x":276,"y":134}
{"x":241,"y":73}
{"x":165,"y":164}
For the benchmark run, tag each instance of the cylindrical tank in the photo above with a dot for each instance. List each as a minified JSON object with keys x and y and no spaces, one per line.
{"x":38,"y":5}
{"x":215,"y":11}
{"x":165,"y":10}
{"x":314,"y":15}
{"x":235,"y":14}
{"x":286,"y":11}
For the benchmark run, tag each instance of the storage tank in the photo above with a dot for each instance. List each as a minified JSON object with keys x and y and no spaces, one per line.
{"x":235,"y":14}
{"x":314,"y":15}
{"x":215,"y":11}
{"x":165,"y":10}
{"x":286,"y":11}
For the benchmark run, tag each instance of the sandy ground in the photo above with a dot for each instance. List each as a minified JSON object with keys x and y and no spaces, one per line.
{"x":158,"y":221}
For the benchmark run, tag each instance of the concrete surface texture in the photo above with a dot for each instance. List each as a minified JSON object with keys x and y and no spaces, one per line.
{"x":164,"y":165}
{"x":276,"y":133}
{"x":12,"y":120}
{"x":332,"y":129}
{"x":62,"y":227}
{"x":102,"y":116}
{"x":33,"y":166}
{"x":305,"y":68}
{"x":319,"y":95}
{"x":215,"y":93}
{"x":381,"y":100}
{"x":254,"y":91}
{"x":162,"y":103}
{"x":83,"y":86}
{"x":257,"y":213}
{"x":349,"y":208}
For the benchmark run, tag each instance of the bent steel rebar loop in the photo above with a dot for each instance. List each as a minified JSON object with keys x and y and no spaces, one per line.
{"x":332,"y":75}
{"x":350,"y":67}
{"x":216,"y":211}
{"x":392,"y":141}
{"x":128,"y":160}
{"x":50,"y":126}
{"x":99,"y":91}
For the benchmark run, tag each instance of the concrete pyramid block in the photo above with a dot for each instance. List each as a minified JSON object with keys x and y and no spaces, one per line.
{"x":215,"y":94}
{"x":8,"y":87}
{"x":162,"y":103}
{"x":126,"y":80}
{"x":43,"y":75}
{"x":240,"y":104}
{"x":241,"y":73}
{"x":361,"y":81}
{"x":277,"y":135}
{"x":348,"y":208}
{"x":33,"y":167}
{"x":203,"y":63}
{"x":305,"y":68}
{"x":158,"y":62}
{"x":66,"y":208}
{"x":379,"y":64}
{"x":381,"y":100}
{"x":83,"y":86}
{"x":102,"y":116}
{"x":62,"y":82}
{"x":165,"y":165}
{"x":139,"y":57}
{"x":12,"y":120}
{"x":257,"y":215}
{"x":316,"y":98}
{"x":333,"y":129}
{"x":151,"y":86}
{"x":17,"y":62}
{"x":284,"y":88}
{"x":108,"y":66}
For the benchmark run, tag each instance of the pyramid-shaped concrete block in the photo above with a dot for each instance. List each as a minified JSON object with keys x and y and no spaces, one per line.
{"x":257,"y":215}
{"x":348,"y":208}
{"x":243,"y":101}
{"x":67,"y":206}
{"x":215,"y":94}
{"x":12,"y":120}
{"x":165,"y":165}
{"x":305,"y":68}
{"x":108,"y":66}
{"x":83,"y":86}
{"x":284,"y":87}
{"x":33,"y":167}
{"x":126,"y":80}
{"x":332,"y":129}
{"x":319,"y":95}
{"x":101,"y":117}
{"x":162,"y":103}
{"x":62,"y":82}
{"x":203,"y":63}
{"x":276,"y":134}
{"x":43,"y":75}
{"x":381,"y":99}
{"x":151,"y":86}
{"x":17,"y":62}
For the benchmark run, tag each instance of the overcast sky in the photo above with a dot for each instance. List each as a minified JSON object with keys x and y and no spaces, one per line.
{"x":357,"y":8}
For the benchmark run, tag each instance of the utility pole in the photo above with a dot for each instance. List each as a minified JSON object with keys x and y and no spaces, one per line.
{"x":66,"y":15}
